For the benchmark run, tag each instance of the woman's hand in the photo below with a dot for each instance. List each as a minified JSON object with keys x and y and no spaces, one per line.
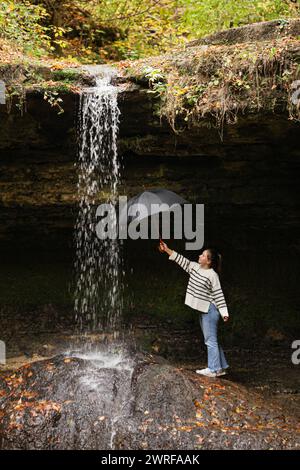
{"x":163,"y":248}
{"x":225,"y":318}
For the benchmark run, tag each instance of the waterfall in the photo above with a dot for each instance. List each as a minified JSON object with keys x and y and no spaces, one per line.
{"x":98,"y":264}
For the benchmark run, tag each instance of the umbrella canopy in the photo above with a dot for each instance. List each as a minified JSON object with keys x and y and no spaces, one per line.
{"x":144,"y":204}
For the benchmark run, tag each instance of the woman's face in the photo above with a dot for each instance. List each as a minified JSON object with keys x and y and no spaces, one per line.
{"x":204,"y":259}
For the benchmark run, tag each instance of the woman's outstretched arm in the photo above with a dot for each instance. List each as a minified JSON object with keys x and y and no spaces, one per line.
{"x":183,"y":262}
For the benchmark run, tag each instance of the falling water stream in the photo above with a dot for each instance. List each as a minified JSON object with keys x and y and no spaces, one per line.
{"x":106,"y":377}
{"x":98,"y":265}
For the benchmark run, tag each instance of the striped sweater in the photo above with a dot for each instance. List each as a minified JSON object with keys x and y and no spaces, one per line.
{"x":203,"y":287}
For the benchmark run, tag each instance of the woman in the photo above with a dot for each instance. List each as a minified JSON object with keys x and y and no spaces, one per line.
{"x":204,"y":293}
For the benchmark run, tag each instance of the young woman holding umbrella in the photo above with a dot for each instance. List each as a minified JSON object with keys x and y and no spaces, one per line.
{"x":204,"y":293}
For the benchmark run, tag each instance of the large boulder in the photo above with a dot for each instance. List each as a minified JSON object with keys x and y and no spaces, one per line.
{"x":83,"y":402}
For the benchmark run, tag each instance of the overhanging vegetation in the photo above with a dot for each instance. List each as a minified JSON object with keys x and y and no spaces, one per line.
{"x":212,"y":85}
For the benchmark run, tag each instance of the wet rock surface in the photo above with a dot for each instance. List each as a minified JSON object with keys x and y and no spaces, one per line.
{"x":87,"y":401}
{"x":63,"y":403}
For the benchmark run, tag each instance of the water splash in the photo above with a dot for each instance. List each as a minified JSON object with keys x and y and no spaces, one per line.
{"x":98,"y":265}
{"x":107,"y":379}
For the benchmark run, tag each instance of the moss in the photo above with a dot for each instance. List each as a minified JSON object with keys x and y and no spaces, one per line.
{"x":33,"y":74}
{"x":66,"y":75}
{"x":25,"y":76}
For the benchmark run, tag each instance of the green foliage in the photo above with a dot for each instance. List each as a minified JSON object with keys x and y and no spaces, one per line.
{"x":110,"y":30}
{"x":24,"y":24}
{"x":204,"y":17}
{"x":54,"y":100}
{"x":147,"y":28}
{"x":21,"y":22}
{"x":156,"y":79}
{"x":153,"y":75}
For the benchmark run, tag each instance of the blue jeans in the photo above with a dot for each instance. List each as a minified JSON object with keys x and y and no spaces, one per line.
{"x":209,"y":326}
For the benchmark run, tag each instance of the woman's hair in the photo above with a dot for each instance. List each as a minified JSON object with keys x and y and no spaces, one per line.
{"x":216,"y":259}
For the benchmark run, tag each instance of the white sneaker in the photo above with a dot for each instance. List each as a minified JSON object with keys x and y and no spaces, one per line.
{"x":207,"y":372}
